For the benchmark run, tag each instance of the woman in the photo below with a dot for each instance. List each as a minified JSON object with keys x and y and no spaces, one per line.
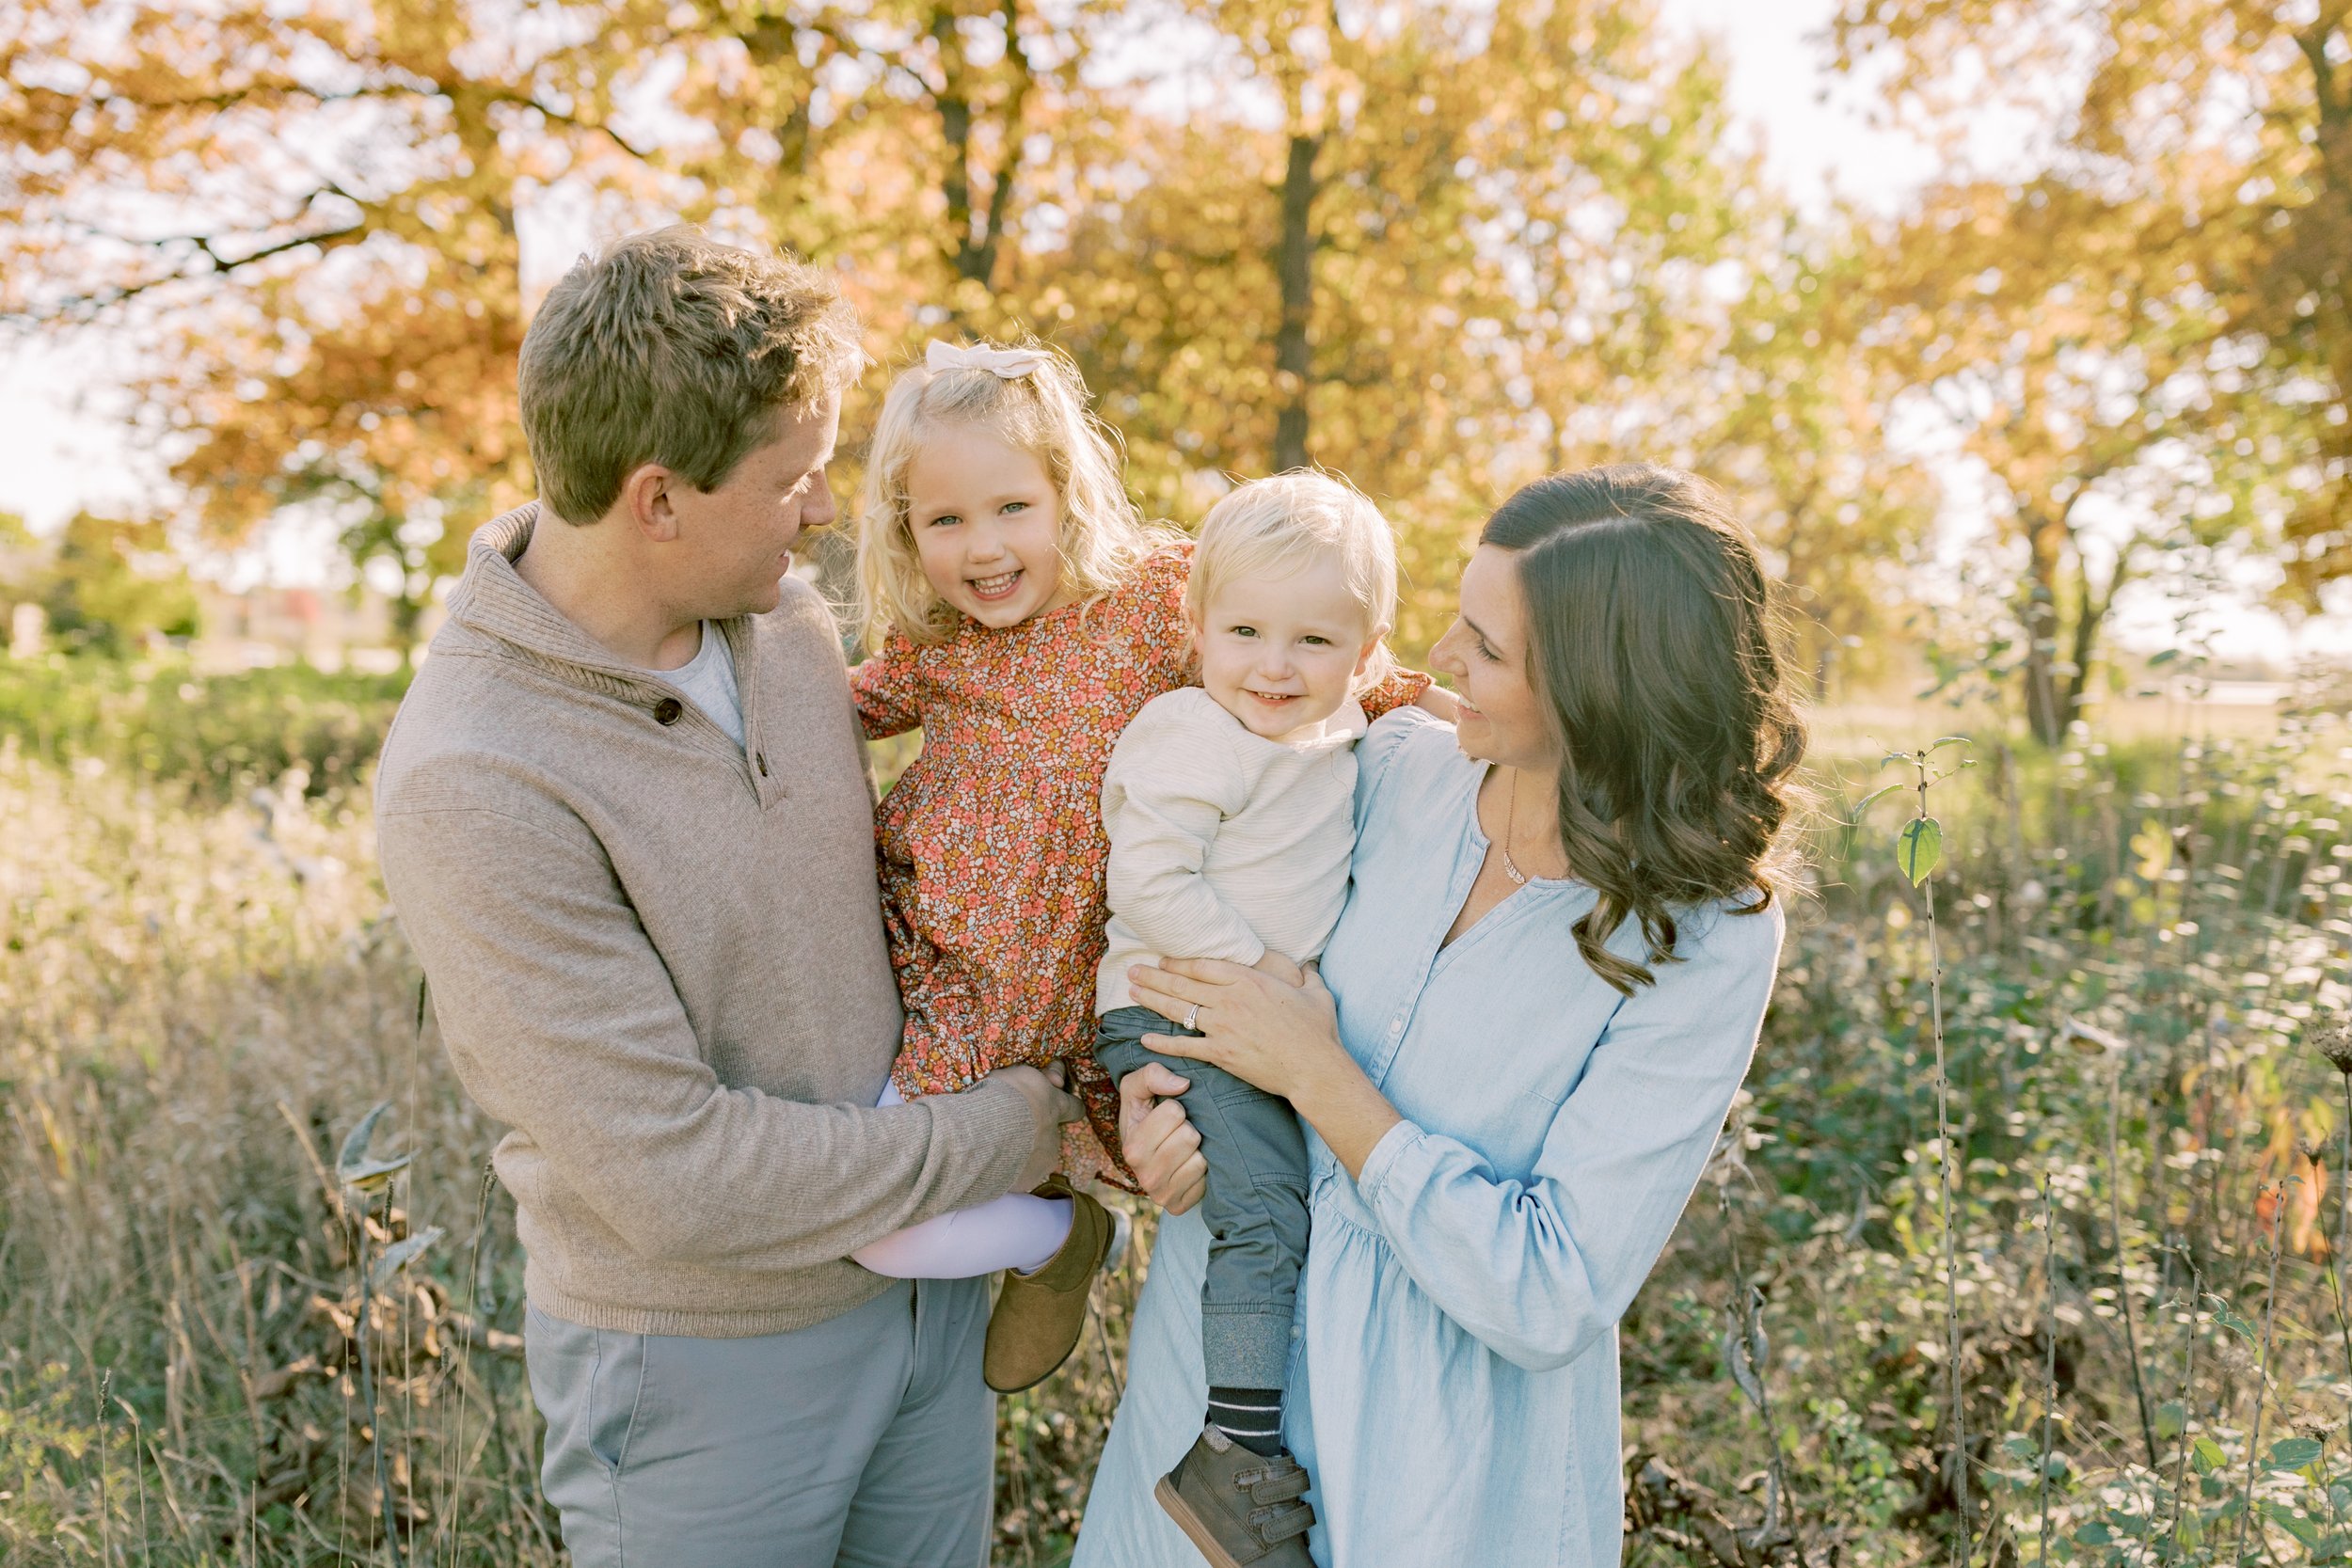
{"x":1541,"y":1000}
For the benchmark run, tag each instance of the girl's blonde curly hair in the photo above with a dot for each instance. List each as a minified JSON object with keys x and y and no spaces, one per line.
{"x":1044,"y":412}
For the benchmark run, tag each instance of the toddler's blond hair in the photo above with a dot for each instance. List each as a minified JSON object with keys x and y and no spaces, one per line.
{"x":1104,"y":537}
{"x":1271,"y":526}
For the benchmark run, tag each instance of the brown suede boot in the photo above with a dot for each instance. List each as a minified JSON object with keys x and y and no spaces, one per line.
{"x":1242,"y":1510}
{"x":1039,"y":1317}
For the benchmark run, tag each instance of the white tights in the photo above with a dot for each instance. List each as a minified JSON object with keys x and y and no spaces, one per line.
{"x":1018,"y":1230}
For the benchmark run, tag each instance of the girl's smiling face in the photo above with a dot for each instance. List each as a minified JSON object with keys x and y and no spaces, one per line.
{"x":1485,"y":652}
{"x":987,"y":523}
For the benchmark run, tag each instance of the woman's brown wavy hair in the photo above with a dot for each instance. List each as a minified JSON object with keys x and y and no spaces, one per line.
{"x":1651,"y":639}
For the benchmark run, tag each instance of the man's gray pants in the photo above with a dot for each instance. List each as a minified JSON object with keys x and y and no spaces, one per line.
{"x":1256,"y":1205}
{"x":866,"y":1441}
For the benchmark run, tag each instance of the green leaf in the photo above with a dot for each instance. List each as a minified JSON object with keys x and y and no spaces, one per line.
{"x":2166,"y":656}
{"x":354,"y":1150}
{"x":1864,"y":804}
{"x":401,"y":1254}
{"x":2305,"y":1530}
{"x":2294,"y":1453}
{"x":353,"y":1167}
{"x":2023,"y":1447}
{"x":1919,"y":848}
{"x":2231,"y":1320}
{"x":2093,"y":1534}
{"x":2207,"y":1456}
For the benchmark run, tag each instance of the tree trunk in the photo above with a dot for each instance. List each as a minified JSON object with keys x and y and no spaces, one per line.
{"x":974,"y":245}
{"x":2047,"y":711}
{"x":2044,"y":716}
{"x":1295,"y":268}
{"x":955,"y":126}
{"x":2089,"y":615}
{"x":407,"y":608}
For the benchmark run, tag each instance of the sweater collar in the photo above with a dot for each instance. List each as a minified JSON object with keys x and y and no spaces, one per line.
{"x":492,"y":598}
{"x":1342,"y":728}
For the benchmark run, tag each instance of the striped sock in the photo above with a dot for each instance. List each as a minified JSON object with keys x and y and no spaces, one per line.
{"x":1251,"y":1417}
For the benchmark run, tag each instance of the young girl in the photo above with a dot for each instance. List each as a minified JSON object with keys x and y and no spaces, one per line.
{"x":1025,"y":611}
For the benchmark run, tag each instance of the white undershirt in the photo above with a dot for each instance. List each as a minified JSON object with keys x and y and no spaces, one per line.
{"x":707,"y":681}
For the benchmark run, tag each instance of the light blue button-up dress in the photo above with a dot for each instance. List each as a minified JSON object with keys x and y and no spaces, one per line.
{"x":1454,"y":1384}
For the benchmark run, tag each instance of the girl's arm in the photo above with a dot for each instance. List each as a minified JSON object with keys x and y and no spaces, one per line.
{"x":1399,"y":688}
{"x":885,"y":688}
{"x":1438,"y":700}
{"x":1536,"y":1267}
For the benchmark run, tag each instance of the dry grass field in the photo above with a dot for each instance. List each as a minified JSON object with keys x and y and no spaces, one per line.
{"x":202,"y":996}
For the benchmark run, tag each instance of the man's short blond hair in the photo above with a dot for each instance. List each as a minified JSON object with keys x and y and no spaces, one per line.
{"x":669,"y":347}
{"x":1273,"y":527}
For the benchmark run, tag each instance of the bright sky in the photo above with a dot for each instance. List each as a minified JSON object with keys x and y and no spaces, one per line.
{"x":63,"y":444}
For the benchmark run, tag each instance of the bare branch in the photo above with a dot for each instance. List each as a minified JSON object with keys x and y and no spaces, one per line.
{"x":85,"y":308}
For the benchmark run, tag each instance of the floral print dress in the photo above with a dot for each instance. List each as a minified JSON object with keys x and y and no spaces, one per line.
{"x":991,"y":844}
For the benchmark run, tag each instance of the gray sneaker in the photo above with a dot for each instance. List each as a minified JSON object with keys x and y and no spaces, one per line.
{"x":1242,"y":1510}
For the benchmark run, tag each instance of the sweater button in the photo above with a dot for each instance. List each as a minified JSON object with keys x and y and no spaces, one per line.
{"x":667,"y":710}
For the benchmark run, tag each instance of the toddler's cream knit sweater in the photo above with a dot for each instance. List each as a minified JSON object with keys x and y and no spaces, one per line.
{"x":1224,"y":844}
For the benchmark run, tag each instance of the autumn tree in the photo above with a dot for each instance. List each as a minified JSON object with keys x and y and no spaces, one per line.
{"x":315,"y":219}
{"x":2141,"y":332}
{"x":1796,"y":432}
{"x":1514,"y":223}
{"x":1438,"y":247}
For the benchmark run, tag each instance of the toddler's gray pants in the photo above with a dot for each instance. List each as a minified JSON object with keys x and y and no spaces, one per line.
{"x":1256,"y":1206}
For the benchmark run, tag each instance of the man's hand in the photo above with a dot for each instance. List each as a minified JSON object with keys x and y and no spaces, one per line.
{"x":1161,"y":1145}
{"x":1052,"y":1109}
{"x":1281,"y":968}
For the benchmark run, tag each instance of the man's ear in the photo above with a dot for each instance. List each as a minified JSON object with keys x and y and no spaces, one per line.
{"x":647,"y":494}
{"x":1372,"y":647}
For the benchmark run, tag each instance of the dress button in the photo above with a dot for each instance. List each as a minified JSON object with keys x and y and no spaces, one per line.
{"x":667,"y":710}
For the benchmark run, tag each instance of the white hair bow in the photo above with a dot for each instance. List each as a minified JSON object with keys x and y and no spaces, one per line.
{"x":1010,"y":364}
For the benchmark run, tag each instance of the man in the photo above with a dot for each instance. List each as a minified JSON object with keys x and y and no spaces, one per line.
{"x":625,"y":819}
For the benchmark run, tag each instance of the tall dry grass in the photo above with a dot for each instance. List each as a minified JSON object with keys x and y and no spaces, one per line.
{"x":196,"y":1005}
{"x":2142,"y":945}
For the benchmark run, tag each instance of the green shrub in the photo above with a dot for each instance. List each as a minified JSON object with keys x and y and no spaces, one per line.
{"x":214,"y":736}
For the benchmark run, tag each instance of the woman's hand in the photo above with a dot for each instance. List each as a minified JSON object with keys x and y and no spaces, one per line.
{"x":1282,"y":1038}
{"x":1161,"y":1145}
{"x":1262,"y":1029}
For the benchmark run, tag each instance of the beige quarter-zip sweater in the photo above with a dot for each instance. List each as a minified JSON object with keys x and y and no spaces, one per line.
{"x":658,"y":956}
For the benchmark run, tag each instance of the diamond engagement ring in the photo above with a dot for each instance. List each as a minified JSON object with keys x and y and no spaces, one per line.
{"x":1192,"y":1017}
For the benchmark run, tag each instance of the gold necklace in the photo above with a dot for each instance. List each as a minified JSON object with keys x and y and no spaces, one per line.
{"x":1510,"y":825}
